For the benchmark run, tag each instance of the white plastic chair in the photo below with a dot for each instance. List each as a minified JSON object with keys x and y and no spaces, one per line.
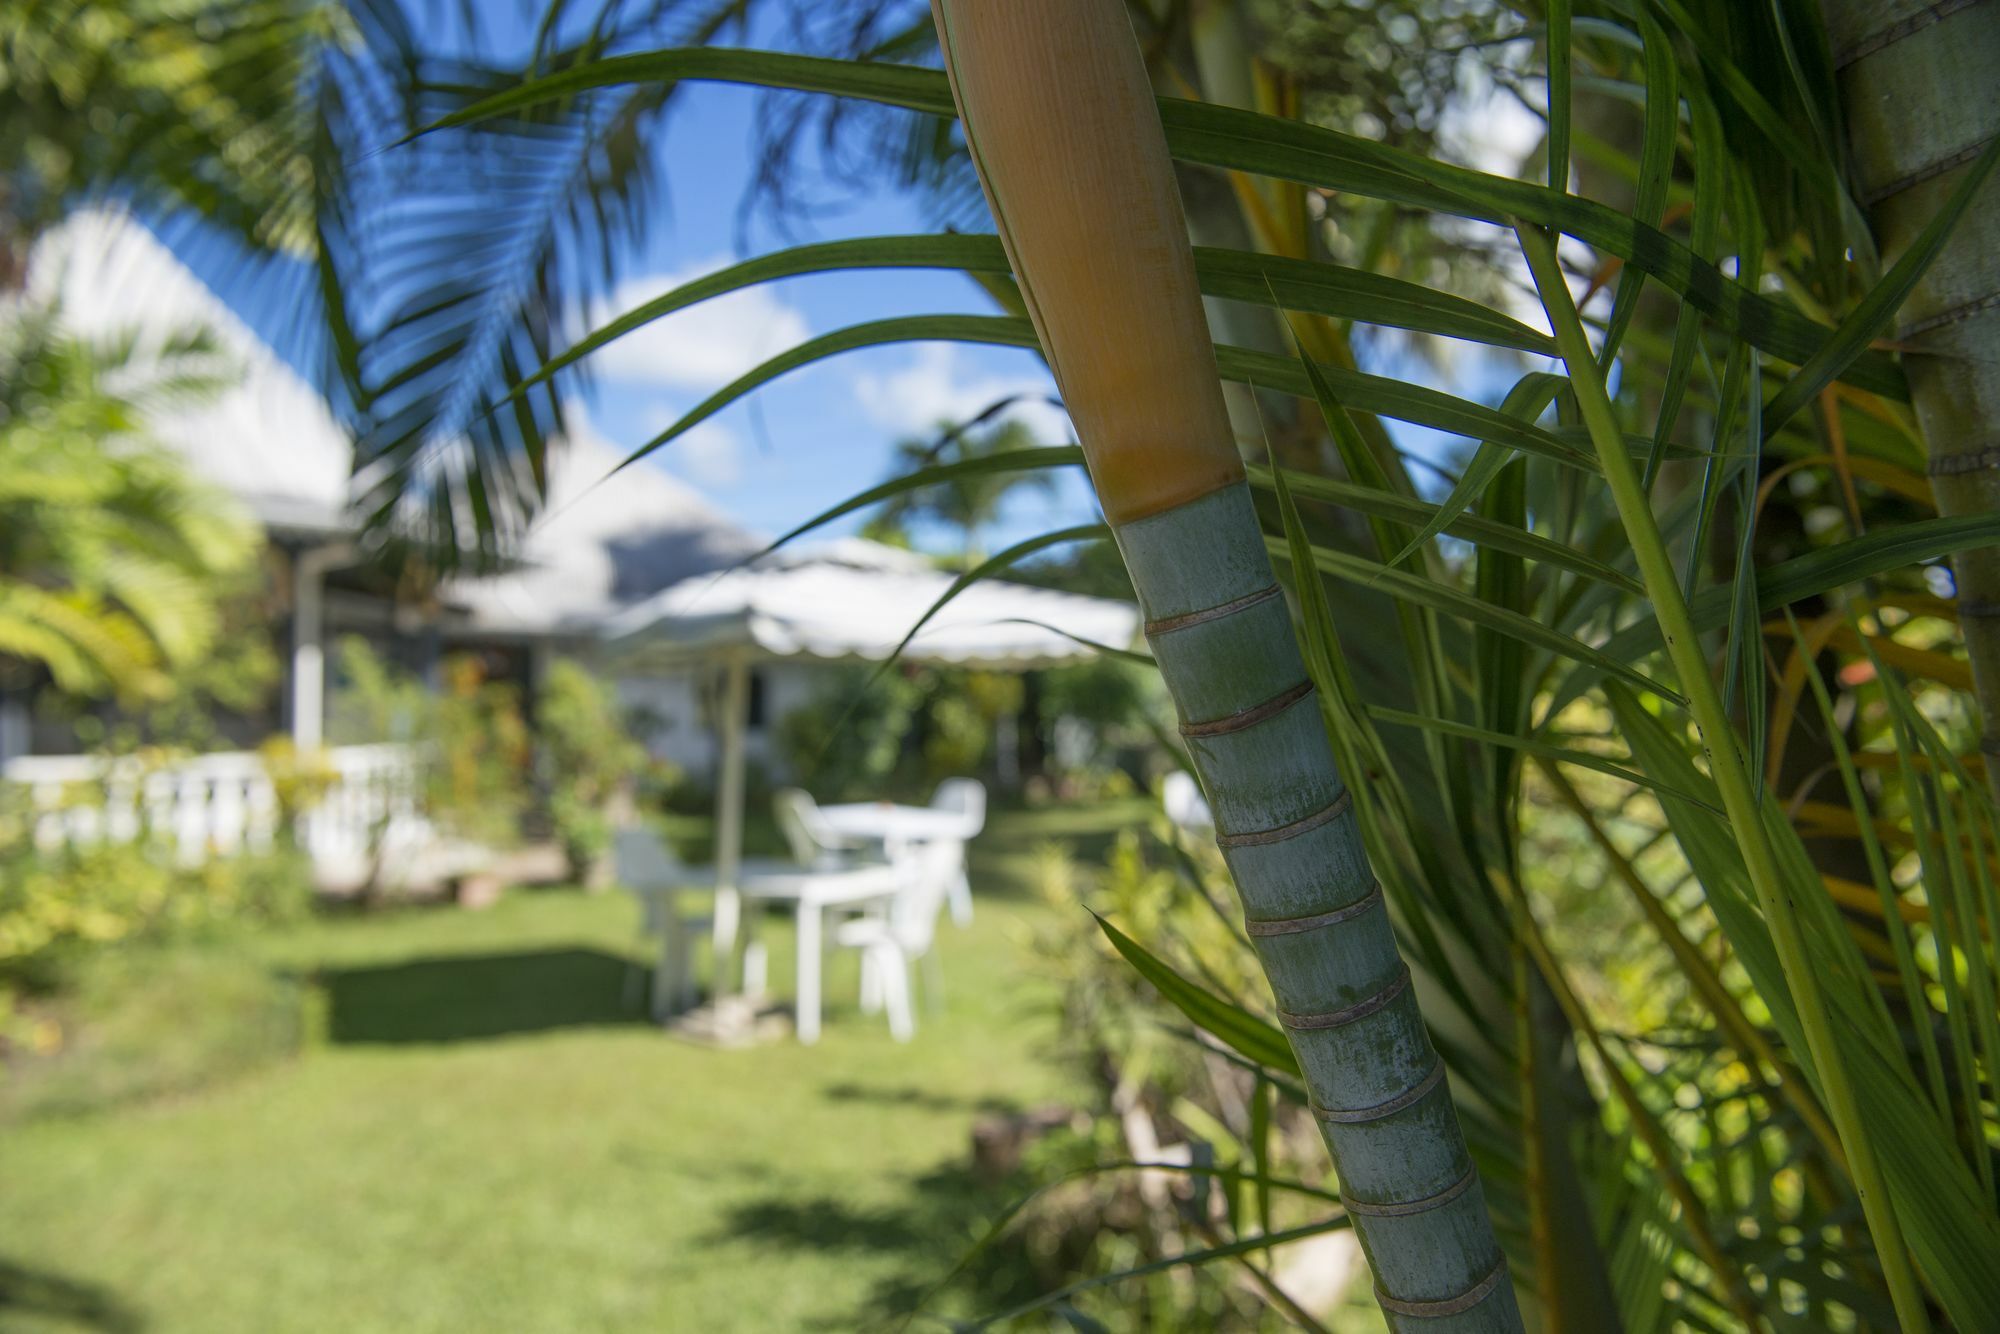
{"x":890,"y":943}
{"x":965,"y":797}
{"x":648,"y":868}
{"x":812,"y":842}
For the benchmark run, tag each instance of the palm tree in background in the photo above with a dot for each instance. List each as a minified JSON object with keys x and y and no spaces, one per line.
{"x":419,"y":287}
{"x":109,"y":553}
{"x":967,"y":503}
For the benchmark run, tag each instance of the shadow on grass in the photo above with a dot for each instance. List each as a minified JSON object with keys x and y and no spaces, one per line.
{"x":37,"y":1294}
{"x":929,"y":1100}
{"x":927,"y":1233}
{"x":465,"y":998}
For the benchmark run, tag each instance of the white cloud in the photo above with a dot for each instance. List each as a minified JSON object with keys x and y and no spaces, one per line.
{"x":702,"y":347}
{"x":936,"y":385}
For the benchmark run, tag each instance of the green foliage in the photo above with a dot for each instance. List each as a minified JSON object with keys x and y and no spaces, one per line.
{"x":587,"y":755}
{"x":849,"y":740}
{"x":57,"y":907}
{"x":971,"y":501}
{"x":135,"y":1024}
{"x":470,"y":731}
{"x":114,"y":563}
{"x":1715,"y":1169}
{"x":478,"y":767}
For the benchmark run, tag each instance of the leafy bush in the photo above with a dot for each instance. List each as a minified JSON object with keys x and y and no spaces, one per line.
{"x":588,"y":757}
{"x":57,"y":909}
{"x":479,"y":776}
{"x":79,"y":897}
{"x":849,"y":740}
{"x":473,"y":730}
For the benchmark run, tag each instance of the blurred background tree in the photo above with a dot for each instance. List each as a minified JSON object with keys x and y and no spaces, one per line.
{"x":110,"y":554}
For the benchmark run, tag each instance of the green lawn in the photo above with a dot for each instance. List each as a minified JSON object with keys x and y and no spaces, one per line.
{"x":479,"y":1135}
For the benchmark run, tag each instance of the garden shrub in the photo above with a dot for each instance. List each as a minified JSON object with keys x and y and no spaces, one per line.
{"x":56,"y":906}
{"x":588,"y":759}
{"x":471,"y":730}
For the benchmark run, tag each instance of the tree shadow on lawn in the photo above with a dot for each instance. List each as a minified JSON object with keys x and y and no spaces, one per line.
{"x":39,"y":1294}
{"x":930,"y":1231}
{"x":930,"y":1100}
{"x":469,"y":997}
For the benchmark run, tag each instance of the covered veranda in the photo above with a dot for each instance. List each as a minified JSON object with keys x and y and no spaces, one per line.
{"x":854,"y":602}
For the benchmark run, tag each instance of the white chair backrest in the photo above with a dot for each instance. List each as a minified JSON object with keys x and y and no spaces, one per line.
{"x":644,"y":862}
{"x":931,"y":868}
{"x":965,"y":797}
{"x":643,"y":859}
{"x":1185,"y":804}
{"x":805,"y":831}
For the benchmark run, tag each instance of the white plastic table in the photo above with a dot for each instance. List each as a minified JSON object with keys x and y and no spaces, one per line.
{"x":892,"y":823}
{"x":810,"y":892}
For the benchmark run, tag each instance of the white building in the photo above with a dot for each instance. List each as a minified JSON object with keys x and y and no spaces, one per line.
{"x":645,"y":562}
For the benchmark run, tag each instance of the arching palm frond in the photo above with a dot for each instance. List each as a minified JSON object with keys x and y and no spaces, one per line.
{"x":109,"y":552}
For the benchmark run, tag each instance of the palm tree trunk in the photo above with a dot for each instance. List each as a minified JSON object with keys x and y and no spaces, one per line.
{"x":1917,"y":86}
{"x":1062,"y":127}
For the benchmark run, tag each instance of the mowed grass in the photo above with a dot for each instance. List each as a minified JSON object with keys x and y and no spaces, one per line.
{"x":481,"y":1134}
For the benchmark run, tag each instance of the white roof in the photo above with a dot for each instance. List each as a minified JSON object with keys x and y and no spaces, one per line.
{"x":603,"y":543}
{"x":857,"y":599}
{"x":268,"y":438}
{"x":634,"y":559}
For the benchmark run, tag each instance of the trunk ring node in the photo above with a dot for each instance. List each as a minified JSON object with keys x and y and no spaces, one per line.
{"x":1285,"y":926}
{"x":1465,"y":1301}
{"x":1250,"y":717}
{"x":1254,"y":837}
{"x":1425,"y":1205}
{"x":1409,"y":1097}
{"x":1361,"y":1009}
{"x":1166,"y":625}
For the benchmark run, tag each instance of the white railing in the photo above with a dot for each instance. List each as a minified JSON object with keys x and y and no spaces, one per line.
{"x":214,"y":805}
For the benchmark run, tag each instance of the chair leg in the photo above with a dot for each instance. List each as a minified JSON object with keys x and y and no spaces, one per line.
{"x":667,"y":973}
{"x":933,"y":982}
{"x":895,"y":971}
{"x":959,"y":896}
{"x":684,"y":988}
{"x":871,"y":983}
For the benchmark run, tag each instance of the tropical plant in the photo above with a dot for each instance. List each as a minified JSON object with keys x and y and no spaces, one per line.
{"x":1092,"y":227}
{"x":1810,"y":1136}
{"x":588,"y":756}
{"x":421,"y":285}
{"x":971,"y":503}
{"x":113,"y":561}
{"x":470,"y":733}
{"x":1915,"y":136}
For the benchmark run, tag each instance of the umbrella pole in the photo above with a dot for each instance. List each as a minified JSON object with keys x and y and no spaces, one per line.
{"x":734,"y":719}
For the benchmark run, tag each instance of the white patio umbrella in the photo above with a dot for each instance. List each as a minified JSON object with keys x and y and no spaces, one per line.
{"x":851,"y":600}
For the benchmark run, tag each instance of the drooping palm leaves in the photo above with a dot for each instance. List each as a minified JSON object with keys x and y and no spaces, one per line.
{"x":420,"y":285}
{"x":109,"y":551}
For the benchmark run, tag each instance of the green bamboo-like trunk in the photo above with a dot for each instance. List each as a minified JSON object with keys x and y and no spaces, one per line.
{"x":1920,"y":86}
{"x":1062,"y":126}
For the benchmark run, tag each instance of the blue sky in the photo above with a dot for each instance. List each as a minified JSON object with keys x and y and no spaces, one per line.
{"x":821,"y":433}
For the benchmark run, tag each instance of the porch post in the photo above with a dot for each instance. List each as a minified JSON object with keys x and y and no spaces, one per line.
{"x":309,"y":570}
